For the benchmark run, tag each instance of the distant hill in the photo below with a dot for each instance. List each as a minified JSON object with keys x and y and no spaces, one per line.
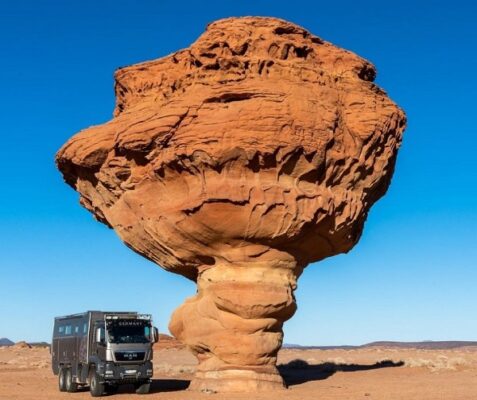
{"x":6,"y":342}
{"x":338,"y":347}
{"x":429,"y":344}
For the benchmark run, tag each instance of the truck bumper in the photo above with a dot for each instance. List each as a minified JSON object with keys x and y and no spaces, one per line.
{"x":126,"y":372}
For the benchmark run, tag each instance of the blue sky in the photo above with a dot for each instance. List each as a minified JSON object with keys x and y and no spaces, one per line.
{"x":411,"y":277}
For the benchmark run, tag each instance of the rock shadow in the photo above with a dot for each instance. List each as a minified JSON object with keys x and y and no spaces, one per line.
{"x":299,"y":371}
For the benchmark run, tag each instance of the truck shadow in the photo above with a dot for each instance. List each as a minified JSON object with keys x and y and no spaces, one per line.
{"x":157,"y":386}
{"x":169,"y":385}
{"x":299,"y":371}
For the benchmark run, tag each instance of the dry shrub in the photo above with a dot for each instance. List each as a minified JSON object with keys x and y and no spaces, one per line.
{"x":40,"y":364}
{"x":336,"y":360}
{"x":437,"y":364}
{"x":169,"y":369}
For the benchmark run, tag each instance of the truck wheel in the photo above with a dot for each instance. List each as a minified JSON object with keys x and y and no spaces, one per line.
{"x":143,"y":387}
{"x":96,"y":388}
{"x":61,"y":380}
{"x":70,"y":385}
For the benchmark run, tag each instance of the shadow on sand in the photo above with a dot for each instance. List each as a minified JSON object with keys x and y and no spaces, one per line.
{"x":157,"y":385}
{"x":299,"y":371}
{"x":169,"y":385}
{"x":293,"y":373}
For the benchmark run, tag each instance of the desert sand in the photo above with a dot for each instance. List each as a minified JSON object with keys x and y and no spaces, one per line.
{"x":371,"y":373}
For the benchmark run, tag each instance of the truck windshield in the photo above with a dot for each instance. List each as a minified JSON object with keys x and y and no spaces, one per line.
{"x":128,"y":331}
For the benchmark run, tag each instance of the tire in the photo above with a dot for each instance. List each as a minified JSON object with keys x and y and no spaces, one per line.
{"x":70,"y":385}
{"x":143,"y":387}
{"x":62,"y":380}
{"x":96,"y":388}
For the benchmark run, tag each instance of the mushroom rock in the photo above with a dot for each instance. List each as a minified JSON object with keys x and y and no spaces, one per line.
{"x":237,"y":162}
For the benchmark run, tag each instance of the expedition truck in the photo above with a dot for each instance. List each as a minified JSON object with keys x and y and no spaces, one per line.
{"x":103,"y":350}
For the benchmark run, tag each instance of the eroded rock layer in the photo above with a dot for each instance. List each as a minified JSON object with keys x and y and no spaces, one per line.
{"x":236,"y":162}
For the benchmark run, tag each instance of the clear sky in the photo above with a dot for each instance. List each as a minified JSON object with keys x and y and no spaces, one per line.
{"x":413,"y":275}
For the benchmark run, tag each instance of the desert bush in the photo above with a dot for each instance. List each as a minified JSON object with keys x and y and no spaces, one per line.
{"x":440,"y":363}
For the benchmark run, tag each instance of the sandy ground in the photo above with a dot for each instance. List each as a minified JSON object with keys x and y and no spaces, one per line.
{"x":374,"y":373}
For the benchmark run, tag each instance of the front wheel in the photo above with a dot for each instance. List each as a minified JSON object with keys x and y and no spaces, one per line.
{"x":61,"y":380}
{"x":96,"y":388}
{"x":143,"y":387}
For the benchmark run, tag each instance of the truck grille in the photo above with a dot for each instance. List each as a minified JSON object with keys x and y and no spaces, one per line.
{"x":129,"y":355}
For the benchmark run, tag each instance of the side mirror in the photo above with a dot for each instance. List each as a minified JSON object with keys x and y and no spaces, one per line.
{"x":155,"y":334}
{"x":99,"y":335}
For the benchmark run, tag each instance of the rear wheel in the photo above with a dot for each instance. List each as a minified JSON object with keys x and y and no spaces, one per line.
{"x":96,"y":388}
{"x":70,"y":385}
{"x":143,"y":387}
{"x":62,"y":380}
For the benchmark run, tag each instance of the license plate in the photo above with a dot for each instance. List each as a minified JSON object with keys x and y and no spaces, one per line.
{"x":130,"y":371}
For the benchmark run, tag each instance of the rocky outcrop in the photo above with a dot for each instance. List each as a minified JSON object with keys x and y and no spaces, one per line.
{"x":22,"y":345}
{"x":237,"y":162}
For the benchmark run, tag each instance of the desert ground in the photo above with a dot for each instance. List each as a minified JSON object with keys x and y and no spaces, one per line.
{"x":374,"y":373}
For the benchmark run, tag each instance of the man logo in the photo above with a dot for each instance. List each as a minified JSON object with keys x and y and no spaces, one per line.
{"x":129,"y":356}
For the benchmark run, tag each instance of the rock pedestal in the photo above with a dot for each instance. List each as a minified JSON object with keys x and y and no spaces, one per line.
{"x":237,"y":162}
{"x":239,"y":312}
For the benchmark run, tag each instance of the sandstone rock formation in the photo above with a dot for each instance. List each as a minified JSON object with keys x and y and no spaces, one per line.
{"x":236,"y":162}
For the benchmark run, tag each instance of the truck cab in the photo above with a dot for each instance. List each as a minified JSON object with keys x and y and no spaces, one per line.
{"x":103,"y":350}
